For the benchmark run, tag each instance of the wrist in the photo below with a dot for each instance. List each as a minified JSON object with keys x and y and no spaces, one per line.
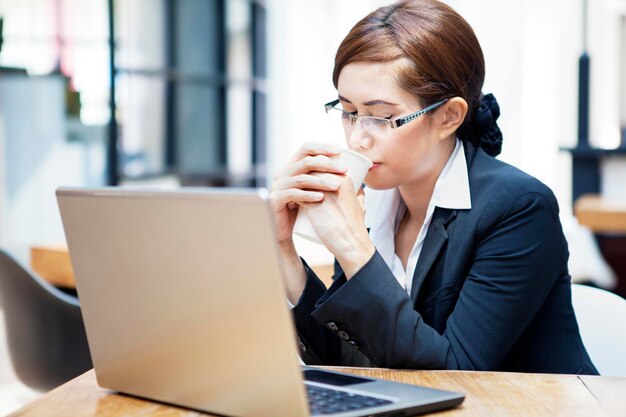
{"x":287,"y":246}
{"x":354,"y":258}
{"x":292,"y":269}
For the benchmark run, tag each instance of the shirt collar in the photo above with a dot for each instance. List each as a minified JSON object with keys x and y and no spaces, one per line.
{"x":452,"y":188}
{"x":452,"y":191}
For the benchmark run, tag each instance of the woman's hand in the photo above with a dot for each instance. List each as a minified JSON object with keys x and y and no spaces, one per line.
{"x":303,"y":180}
{"x":306,"y":177}
{"x":338,"y":221}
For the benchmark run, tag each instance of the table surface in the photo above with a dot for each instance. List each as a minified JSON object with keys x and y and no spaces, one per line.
{"x":487,"y":394}
{"x":52,"y":263}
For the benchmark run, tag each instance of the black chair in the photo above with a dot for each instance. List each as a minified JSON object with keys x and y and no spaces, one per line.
{"x":44,"y":328}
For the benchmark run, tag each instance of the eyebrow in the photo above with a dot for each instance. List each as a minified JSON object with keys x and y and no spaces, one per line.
{"x":371,"y":102}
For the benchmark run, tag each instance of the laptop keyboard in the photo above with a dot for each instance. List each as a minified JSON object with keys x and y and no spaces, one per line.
{"x":324,"y":401}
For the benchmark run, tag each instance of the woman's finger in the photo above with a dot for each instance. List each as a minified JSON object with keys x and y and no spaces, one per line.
{"x":281,"y":198}
{"x":317,"y":163}
{"x":326,"y":182}
{"x":315,"y":148}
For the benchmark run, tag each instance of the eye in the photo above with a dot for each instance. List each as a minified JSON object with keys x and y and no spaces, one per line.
{"x":374,"y":121}
{"x":346,"y":115}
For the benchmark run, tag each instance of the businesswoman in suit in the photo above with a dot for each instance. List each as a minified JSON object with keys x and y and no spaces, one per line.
{"x":457,"y":260}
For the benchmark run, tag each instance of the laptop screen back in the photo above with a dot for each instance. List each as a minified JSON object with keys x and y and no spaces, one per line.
{"x":176,"y":290}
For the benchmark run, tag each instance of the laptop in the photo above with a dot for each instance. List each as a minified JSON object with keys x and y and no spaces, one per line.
{"x":183,"y":303}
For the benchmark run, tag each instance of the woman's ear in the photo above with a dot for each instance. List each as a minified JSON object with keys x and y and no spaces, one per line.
{"x":451,"y":116}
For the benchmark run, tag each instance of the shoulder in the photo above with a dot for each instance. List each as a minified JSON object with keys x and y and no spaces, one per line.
{"x":499,"y":190}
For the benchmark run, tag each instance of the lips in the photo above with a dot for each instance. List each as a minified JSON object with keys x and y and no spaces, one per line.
{"x":376,"y":165}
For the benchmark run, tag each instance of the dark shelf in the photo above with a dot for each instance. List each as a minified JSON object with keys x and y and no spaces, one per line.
{"x":586,"y":168}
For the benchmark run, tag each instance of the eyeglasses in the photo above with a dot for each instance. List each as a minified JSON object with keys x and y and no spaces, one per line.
{"x":375,"y":125}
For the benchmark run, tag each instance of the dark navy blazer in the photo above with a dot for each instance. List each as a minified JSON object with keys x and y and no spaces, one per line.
{"x":491,"y":290}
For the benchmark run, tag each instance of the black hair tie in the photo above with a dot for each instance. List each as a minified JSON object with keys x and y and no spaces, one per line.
{"x":483,"y":131}
{"x":487,"y":114}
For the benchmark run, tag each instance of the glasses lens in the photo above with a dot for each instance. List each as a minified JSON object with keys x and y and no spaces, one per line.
{"x":374,"y":125}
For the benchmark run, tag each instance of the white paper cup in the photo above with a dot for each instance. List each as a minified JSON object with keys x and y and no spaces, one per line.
{"x":358,"y":165}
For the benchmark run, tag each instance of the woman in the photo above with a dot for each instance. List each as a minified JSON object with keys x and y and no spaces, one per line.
{"x":461,"y":262}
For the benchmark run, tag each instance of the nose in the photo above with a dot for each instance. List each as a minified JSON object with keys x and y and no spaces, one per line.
{"x":358,"y":138}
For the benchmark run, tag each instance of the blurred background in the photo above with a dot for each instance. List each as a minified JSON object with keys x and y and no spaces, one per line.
{"x":222,"y":92}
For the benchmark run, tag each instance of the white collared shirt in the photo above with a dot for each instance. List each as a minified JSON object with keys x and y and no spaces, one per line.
{"x":384,"y":210}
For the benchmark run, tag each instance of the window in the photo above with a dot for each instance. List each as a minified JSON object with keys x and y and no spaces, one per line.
{"x":184,"y":79}
{"x":68,"y":37}
{"x":189,"y":90}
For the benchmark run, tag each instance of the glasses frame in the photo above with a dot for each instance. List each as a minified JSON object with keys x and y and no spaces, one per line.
{"x":393,"y":124}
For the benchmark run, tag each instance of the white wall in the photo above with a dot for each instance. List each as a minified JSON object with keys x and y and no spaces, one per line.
{"x":607,"y":43}
{"x":303,"y":37}
{"x":604,"y":47}
{"x":531,"y":49}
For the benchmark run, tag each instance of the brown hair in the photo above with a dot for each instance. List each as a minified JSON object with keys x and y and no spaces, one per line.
{"x":435,"y":50}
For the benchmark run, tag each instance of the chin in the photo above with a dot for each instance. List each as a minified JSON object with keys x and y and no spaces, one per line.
{"x":379,"y":185}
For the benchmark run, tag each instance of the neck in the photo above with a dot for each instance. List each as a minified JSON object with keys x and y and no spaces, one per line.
{"x":417,"y":194}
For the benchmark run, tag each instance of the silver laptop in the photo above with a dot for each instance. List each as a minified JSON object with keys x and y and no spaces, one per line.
{"x":183,"y":303}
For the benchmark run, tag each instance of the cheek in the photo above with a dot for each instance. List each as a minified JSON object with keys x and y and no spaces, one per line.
{"x":408,"y":156}
{"x":417,"y":144}
{"x":403,"y":152}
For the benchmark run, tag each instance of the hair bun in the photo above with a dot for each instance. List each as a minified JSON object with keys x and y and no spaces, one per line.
{"x":482,"y":130}
{"x":487,"y":113}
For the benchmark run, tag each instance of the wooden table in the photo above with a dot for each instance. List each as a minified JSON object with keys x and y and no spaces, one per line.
{"x":487,"y":394}
{"x":52,"y":263}
{"x":601,"y":215}
{"x":607,"y":219}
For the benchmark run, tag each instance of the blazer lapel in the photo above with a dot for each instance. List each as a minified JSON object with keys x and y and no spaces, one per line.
{"x":435,"y":238}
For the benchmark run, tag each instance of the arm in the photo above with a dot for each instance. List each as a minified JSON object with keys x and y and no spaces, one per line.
{"x":293,"y":270}
{"x":322,"y":346}
{"x":515,"y":263}
{"x":313,"y":180}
